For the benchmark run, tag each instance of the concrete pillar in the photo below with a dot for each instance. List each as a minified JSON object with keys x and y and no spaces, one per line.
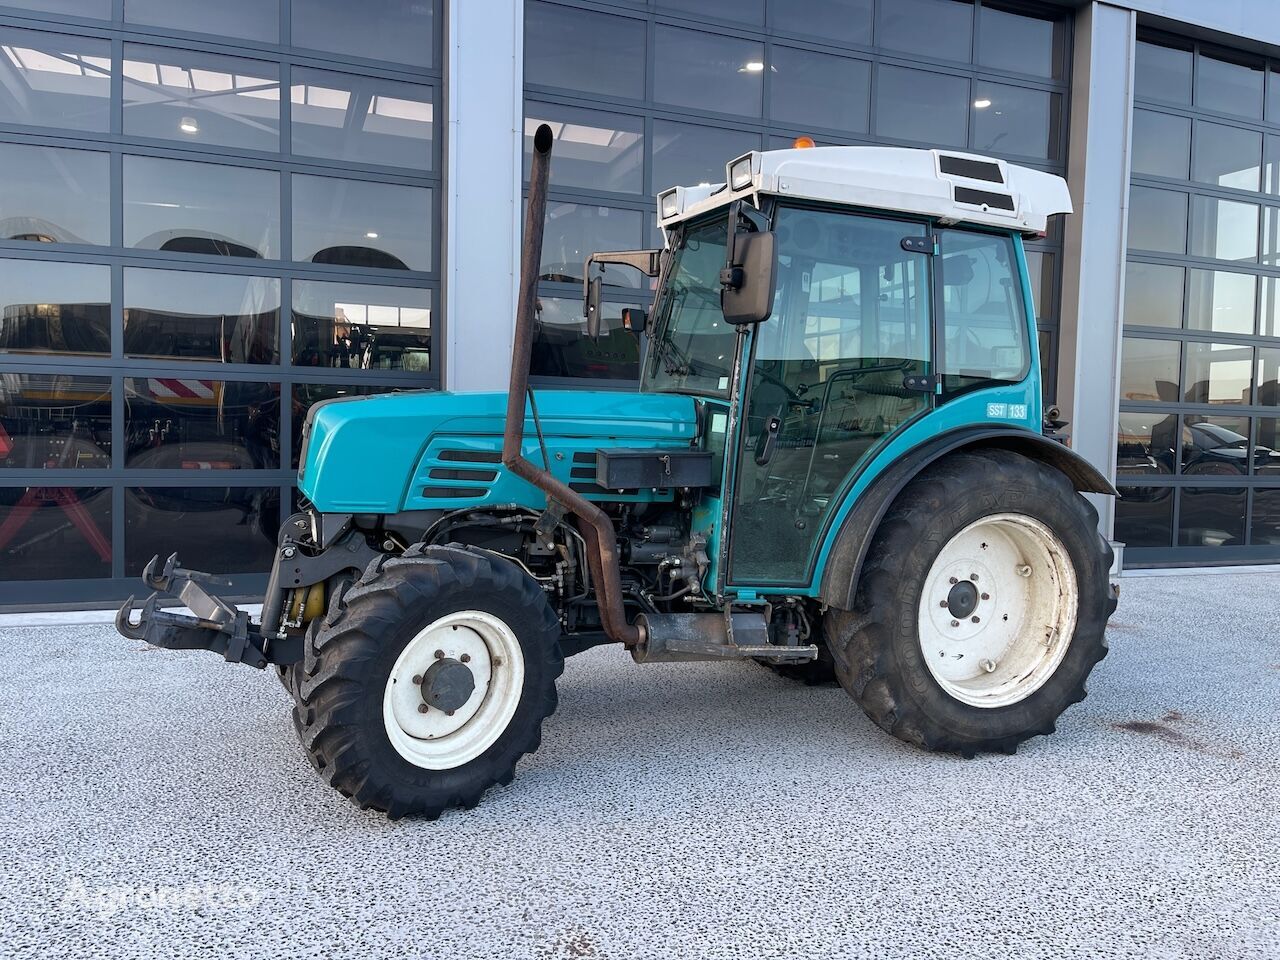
{"x":1094,"y":255}
{"x":484,"y":92}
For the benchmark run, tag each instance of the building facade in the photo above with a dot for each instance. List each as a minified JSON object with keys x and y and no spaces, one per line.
{"x":214,"y":215}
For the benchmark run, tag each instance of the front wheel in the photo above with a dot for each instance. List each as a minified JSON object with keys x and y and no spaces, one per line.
{"x":981,"y":608}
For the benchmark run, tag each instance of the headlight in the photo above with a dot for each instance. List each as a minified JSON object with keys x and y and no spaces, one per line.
{"x":740,"y":173}
{"x":668,"y":204}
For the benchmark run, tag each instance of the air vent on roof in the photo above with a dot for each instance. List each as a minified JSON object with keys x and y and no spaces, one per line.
{"x":980,"y":198}
{"x":970,"y":169}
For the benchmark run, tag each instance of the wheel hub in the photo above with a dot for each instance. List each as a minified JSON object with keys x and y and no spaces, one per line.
{"x":447,"y":684}
{"x":963,"y":599}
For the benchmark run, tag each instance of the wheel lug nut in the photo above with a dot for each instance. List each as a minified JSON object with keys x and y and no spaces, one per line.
{"x":955,"y":623}
{"x":986,"y":596}
{"x":975,"y":619}
{"x":465,"y":658}
{"x":449,"y":713}
{"x":422,"y":708}
{"x":942,"y":603}
{"x":439,"y":654}
{"x":417,"y":679}
{"x":954,"y":580}
{"x":973,"y":576}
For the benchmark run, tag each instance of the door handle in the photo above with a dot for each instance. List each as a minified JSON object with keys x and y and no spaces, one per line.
{"x":764,"y":450}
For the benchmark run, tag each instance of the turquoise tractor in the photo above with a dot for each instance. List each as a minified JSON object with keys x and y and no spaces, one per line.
{"x":837,"y":464}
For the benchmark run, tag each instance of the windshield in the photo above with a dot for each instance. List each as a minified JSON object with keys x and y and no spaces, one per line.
{"x":692,"y":350}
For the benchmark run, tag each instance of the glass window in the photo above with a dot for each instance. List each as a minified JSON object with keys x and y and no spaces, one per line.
{"x":1015,"y":120}
{"x":1265,"y":528}
{"x":55,"y":533}
{"x":1161,"y":144}
{"x":1223,"y":229}
{"x":1269,"y":377}
{"x":1271,"y":236}
{"x":941,"y":29}
{"x":1157,"y":220}
{"x":201,"y":316}
{"x":50,"y":307}
{"x":986,"y":328}
{"x":201,"y":98}
{"x":1218,"y":373}
{"x":1153,"y":295}
{"x":583,"y":51}
{"x":1040,"y":270}
{"x":1215,"y":446}
{"x":1269,"y":314}
{"x":54,"y":80}
{"x":362,"y":224}
{"x":574,"y":231}
{"x":561,"y":347}
{"x":1221,"y":301}
{"x":1146,"y":443}
{"x":1144,"y":516}
{"x":1271,"y":163}
{"x":1149,"y":370}
{"x":395,"y":31}
{"x":246,"y":19}
{"x":231,"y":529}
{"x":52,"y":421}
{"x":306,"y":395}
{"x":1162,"y":73}
{"x":843,"y":21}
{"x":593,"y":150}
{"x":707,"y":71}
{"x":1225,"y":87}
{"x":362,"y":119}
{"x":735,"y":11}
{"x":930,"y":108}
{"x":51,"y":195}
{"x":685,"y":154}
{"x":189,"y":422}
{"x":360,"y":326}
{"x":99,"y":9}
{"x":1226,"y":156}
{"x":1017,"y":42}
{"x":186,"y":207}
{"x":801,"y":89}
{"x":1211,"y":516}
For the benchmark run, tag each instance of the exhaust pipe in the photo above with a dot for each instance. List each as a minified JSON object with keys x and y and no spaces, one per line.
{"x":594,"y":523}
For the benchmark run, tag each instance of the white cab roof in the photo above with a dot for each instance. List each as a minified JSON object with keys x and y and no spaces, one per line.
{"x":954,"y":187}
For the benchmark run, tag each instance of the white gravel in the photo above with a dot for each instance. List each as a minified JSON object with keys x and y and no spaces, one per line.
{"x":157,"y":804}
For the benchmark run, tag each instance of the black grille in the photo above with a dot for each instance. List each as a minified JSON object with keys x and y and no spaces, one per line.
{"x":472,"y":456}
{"x":444,"y":493}
{"x":447,"y":473}
{"x":972,"y":169}
{"x":998,"y":201}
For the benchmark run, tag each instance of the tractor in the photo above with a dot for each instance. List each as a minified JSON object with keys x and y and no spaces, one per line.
{"x":837,"y":465}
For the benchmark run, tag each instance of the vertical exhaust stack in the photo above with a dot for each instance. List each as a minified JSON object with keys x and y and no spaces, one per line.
{"x":594,"y":523}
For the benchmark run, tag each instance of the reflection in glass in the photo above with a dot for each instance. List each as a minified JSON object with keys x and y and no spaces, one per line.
{"x":843,"y":21}
{"x":1269,"y":312}
{"x":1153,"y":295}
{"x":802,"y":84}
{"x":1215,"y":446}
{"x":1269,"y":376}
{"x":1023,"y":44}
{"x":186,"y":207}
{"x":360,"y":326}
{"x":231,"y":529}
{"x":1265,"y":528}
{"x":55,"y":80}
{"x":201,"y":316}
{"x":50,"y":307}
{"x":1144,"y":517}
{"x":246,"y":19}
{"x":1218,"y":373}
{"x":707,"y":72}
{"x":593,"y":150}
{"x":361,"y":119}
{"x":1266,"y":447}
{"x":1224,"y":87}
{"x":1271,"y":236}
{"x":735,"y":11}
{"x":1149,"y":370}
{"x":99,"y":9}
{"x":1226,"y":156}
{"x":1161,"y":144}
{"x":1271,"y":154}
{"x":185,"y":422}
{"x":201,"y":98}
{"x":1162,"y":73}
{"x":929,"y":108}
{"x":55,"y":533}
{"x":51,"y":195}
{"x":305,"y":395}
{"x":54,"y":422}
{"x":1223,"y":229}
{"x":941,"y":29}
{"x":686,"y":155}
{"x":561,"y":347}
{"x":357,"y":223}
{"x":1157,"y":220}
{"x":1015,"y":120}
{"x":584,"y":51}
{"x":1217,"y":300}
{"x":1146,"y":443}
{"x":575,"y":231}
{"x":396,"y":31}
{"x":1040,"y":270}
{"x":1211,"y":516}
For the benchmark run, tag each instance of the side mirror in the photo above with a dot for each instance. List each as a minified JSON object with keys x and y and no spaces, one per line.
{"x":633,"y":320}
{"x":747,"y":283}
{"x":592,"y":308}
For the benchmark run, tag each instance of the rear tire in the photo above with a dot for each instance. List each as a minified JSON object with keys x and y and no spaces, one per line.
{"x":360,"y":693}
{"x":1036,"y":629}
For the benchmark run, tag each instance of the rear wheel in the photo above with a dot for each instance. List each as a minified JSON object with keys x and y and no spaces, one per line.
{"x":981,"y":608}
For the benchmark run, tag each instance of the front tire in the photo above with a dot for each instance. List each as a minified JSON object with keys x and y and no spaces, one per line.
{"x":981,"y":607}
{"x":428,"y":680}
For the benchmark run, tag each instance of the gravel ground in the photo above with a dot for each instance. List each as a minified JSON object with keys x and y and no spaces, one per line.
{"x":157,"y":804}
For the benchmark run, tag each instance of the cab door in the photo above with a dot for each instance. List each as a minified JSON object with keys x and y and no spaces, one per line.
{"x":842,"y":365}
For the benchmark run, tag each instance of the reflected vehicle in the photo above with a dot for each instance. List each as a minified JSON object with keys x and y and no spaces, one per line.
{"x":56,"y":328}
{"x":1212,"y":450}
{"x":190,"y":424}
{"x":54,"y":422}
{"x":561,"y":350}
{"x":352,"y":256}
{"x":326,"y":341}
{"x":1138,"y":454}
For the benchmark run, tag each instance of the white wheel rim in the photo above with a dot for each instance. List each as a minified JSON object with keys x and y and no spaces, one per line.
{"x":435,"y":739}
{"x":1024,"y":616}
